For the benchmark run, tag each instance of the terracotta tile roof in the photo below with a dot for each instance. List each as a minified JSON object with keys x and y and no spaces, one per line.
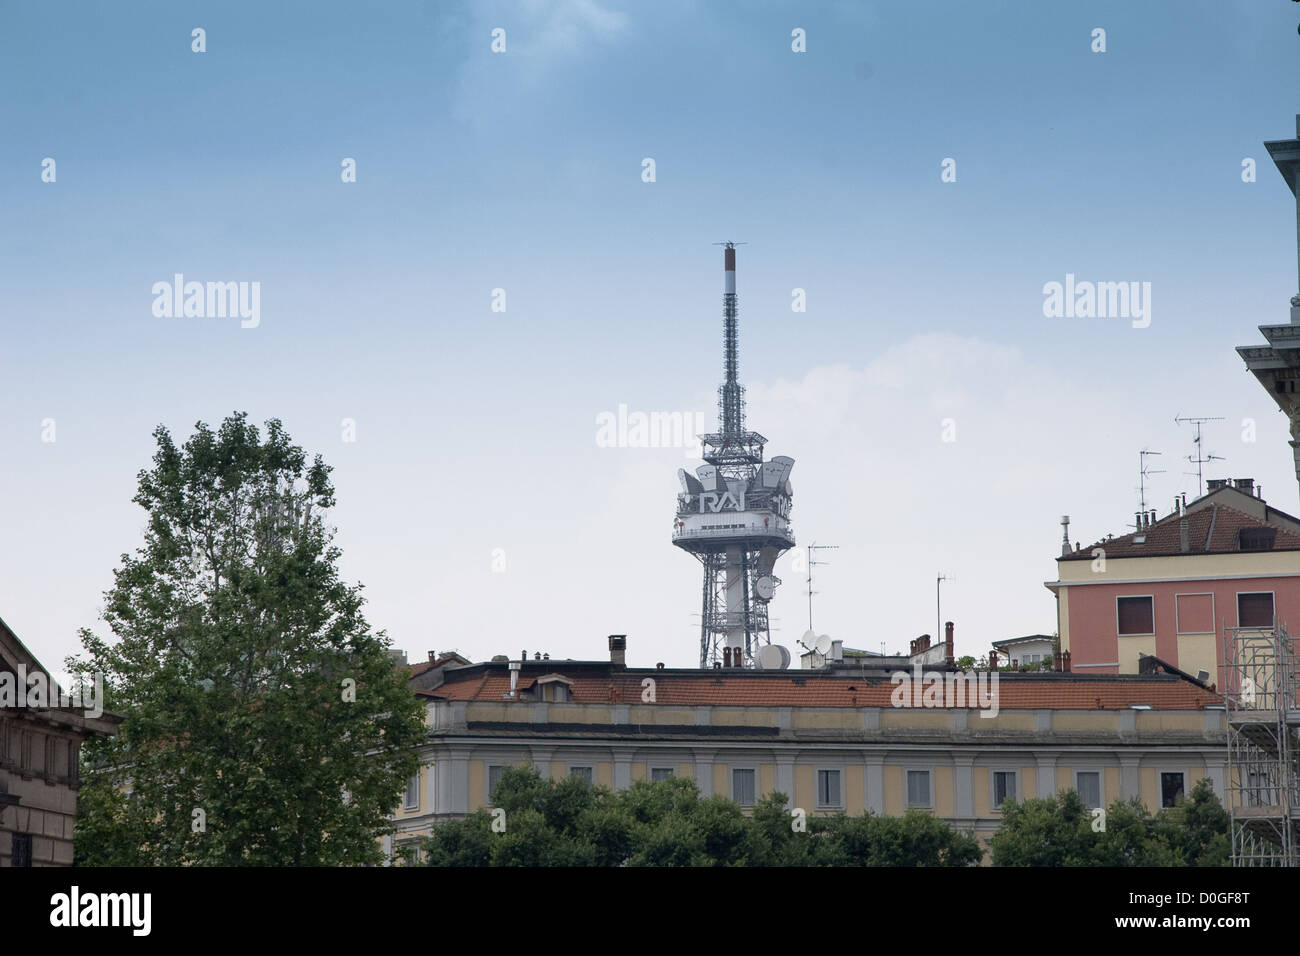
{"x":420,"y":668}
{"x":1015,"y":692}
{"x":1212,"y":530}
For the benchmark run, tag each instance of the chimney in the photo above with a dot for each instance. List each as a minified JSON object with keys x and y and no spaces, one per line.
{"x":1065,"y":661}
{"x":1056,"y":660}
{"x":618,"y":650}
{"x":949,"y":654}
{"x":1184,"y":535}
{"x":1065,"y":535}
{"x":837,"y":650}
{"x":726,"y":657}
{"x":514,"y":676}
{"x":433,"y":657}
{"x":993,"y":660}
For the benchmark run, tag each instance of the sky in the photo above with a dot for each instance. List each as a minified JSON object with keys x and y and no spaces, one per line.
{"x":941,"y":423}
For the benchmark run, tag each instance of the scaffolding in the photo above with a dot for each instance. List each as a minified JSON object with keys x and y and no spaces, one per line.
{"x":1262,"y":700}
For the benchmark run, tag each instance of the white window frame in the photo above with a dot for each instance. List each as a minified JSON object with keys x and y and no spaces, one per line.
{"x":817,"y":772}
{"x":1149,"y":597}
{"x":412,"y":788}
{"x":731,"y":772}
{"x":1101,"y":786}
{"x":583,"y":766}
{"x":1178,"y":624}
{"x":1256,"y":627}
{"x":994,"y":806}
{"x":907,"y":800}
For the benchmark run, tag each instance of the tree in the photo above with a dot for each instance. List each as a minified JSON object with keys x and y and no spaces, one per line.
{"x":1060,"y":831}
{"x":1047,"y":831}
{"x":668,"y":823}
{"x":264,"y":722}
{"x":1196,"y":828}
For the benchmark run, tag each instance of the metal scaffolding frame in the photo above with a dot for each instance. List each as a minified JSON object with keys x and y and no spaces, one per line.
{"x":1262,"y":699}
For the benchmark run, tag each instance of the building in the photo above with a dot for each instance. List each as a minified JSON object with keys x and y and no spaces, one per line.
{"x":832,"y":740}
{"x":1277,"y":364}
{"x":1022,"y":651}
{"x":40,"y":744}
{"x":1170,"y":588}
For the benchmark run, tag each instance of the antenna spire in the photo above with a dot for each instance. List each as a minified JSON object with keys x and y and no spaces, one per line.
{"x":1200,"y":458}
{"x":731,"y":396}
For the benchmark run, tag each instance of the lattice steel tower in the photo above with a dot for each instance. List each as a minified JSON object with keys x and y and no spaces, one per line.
{"x":734,"y":513}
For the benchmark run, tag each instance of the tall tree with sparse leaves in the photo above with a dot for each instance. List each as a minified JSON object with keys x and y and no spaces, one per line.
{"x":264,"y":722}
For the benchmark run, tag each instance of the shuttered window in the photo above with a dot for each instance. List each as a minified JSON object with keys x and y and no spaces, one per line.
{"x":1255,"y":610}
{"x":1136,"y":615}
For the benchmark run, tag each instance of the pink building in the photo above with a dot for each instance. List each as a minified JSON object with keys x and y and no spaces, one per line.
{"x":1171,"y":587}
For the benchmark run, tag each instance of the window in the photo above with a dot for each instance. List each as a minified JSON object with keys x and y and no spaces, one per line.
{"x":582,"y":773}
{"x":1135,"y":615}
{"x":1171,"y":788}
{"x":1004,"y":786}
{"x":742,"y":787}
{"x":22,"y":850}
{"x":660,"y":773}
{"x":1258,"y":790}
{"x":918,"y":789}
{"x":413,"y":793}
{"x":494,"y":777}
{"x":1256,"y":539}
{"x":828,"y":788}
{"x":1088,"y":785}
{"x":1255,"y":610}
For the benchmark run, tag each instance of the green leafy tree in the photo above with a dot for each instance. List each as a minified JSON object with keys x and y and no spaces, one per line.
{"x":264,"y":722}
{"x":1059,"y":831}
{"x":1046,"y":831}
{"x":668,"y":823}
{"x":1196,"y":829}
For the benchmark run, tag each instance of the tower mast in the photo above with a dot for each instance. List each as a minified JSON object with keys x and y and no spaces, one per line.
{"x":734,"y":513}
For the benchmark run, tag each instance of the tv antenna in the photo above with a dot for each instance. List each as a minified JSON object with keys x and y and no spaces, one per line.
{"x":938,"y":616}
{"x":1143,"y":473}
{"x":811,"y":562}
{"x":1201,"y":457}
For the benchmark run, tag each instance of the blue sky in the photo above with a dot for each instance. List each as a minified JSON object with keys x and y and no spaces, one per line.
{"x":475,"y":171}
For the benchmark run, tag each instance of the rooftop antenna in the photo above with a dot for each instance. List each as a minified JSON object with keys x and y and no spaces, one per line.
{"x":1199,"y":458}
{"x":811,"y":562}
{"x":938,"y":616}
{"x":1143,"y":473}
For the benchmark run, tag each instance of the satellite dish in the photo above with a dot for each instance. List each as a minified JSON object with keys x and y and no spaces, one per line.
{"x":785,"y":656}
{"x":769,"y":658}
{"x":764,"y":588}
{"x":809,"y":639}
{"x":823,"y":645}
